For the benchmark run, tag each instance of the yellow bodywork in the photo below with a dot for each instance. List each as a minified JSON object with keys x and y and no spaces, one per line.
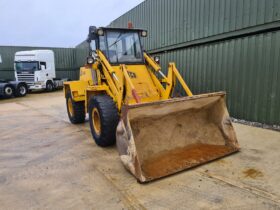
{"x":138,"y":81}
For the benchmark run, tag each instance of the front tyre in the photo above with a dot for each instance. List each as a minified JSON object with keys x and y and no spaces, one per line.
{"x":49,"y":86}
{"x":103,"y":119}
{"x":75,"y":110}
{"x":21,"y":90}
{"x":8,"y":91}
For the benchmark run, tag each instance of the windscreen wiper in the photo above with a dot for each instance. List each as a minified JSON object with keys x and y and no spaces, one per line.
{"x":117,"y":40}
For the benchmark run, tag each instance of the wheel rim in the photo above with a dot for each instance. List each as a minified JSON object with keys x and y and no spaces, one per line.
{"x":96,"y":121}
{"x":70,"y":107}
{"x":22,"y":90}
{"x":49,"y":86}
{"x":8,"y":91}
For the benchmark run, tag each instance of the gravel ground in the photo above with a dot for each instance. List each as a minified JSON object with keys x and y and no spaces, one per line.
{"x":257,"y":124}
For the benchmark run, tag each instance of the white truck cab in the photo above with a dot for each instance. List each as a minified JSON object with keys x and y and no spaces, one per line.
{"x":37,"y":69}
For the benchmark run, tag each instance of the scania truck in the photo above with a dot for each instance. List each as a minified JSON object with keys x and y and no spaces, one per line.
{"x":37,"y":69}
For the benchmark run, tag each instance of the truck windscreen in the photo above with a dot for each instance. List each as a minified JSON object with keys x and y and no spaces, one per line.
{"x":26,"y":66}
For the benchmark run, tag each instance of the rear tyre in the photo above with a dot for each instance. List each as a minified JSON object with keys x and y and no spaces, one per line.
{"x":103,"y":119}
{"x":49,"y":86}
{"x":8,"y":91}
{"x":21,"y":90}
{"x":75,"y":110}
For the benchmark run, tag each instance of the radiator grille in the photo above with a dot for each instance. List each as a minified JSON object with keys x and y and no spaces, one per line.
{"x":28,"y":78}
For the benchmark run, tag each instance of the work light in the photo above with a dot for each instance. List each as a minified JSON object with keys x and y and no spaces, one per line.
{"x":90,"y":60}
{"x":144,"y":33}
{"x":100,"y":32}
{"x":157,"y":59}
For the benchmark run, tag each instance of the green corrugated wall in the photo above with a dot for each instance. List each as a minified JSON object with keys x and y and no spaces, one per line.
{"x":82,"y":51}
{"x":171,"y":22}
{"x":231,"y":45}
{"x":246,"y":68}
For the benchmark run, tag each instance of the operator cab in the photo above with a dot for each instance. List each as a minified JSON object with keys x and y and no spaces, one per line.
{"x":119,"y":45}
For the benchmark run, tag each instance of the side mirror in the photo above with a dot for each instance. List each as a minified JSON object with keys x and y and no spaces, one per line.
{"x":92,"y":34}
{"x":92,"y":29}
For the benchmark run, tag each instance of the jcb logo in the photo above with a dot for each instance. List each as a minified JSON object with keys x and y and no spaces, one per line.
{"x":131,"y":74}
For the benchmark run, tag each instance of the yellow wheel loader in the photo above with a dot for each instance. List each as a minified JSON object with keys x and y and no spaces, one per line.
{"x":129,"y":102}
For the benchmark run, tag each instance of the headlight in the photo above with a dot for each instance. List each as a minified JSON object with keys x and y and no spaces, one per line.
{"x":90,"y":60}
{"x":100,"y":32}
{"x":144,"y":33}
{"x":157,"y":59}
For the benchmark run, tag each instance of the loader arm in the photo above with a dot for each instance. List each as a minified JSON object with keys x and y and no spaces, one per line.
{"x":116,"y":85}
{"x":170,"y":80}
{"x":129,"y":82}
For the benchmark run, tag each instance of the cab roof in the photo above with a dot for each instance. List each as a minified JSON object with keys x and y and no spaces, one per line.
{"x":121,"y":29}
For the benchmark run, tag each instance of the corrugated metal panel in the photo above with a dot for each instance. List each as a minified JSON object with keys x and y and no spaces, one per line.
{"x":170,"y":22}
{"x":6,"y":74}
{"x":65,"y":61}
{"x":82,"y":51}
{"x":246,"y":68}
{"x":81,"y":55}
{"x":70,"y":74}
{"x":64,"y":58}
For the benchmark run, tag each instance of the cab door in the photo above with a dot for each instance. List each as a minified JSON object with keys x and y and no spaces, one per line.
{"x":44,"y":74}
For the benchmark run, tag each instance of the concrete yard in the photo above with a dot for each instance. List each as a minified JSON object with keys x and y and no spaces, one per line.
{"x":48,"y":163}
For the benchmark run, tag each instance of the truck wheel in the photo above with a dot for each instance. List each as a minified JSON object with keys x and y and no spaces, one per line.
{"x":8,"y":91}
{"x":21,"y":90}
{"x":103,"y":119}
{"x":75,"y":110}
{"x":49,"y":86}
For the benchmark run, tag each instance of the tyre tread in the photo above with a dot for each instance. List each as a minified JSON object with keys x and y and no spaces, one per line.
{"x":109,"y":119}
{"x":79,"y":111}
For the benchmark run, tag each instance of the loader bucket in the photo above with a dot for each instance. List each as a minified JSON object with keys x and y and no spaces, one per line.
{"x":161,"y":138}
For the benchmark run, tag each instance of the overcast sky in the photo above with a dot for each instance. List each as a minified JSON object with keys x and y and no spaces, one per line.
{"x":55,"y":23}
